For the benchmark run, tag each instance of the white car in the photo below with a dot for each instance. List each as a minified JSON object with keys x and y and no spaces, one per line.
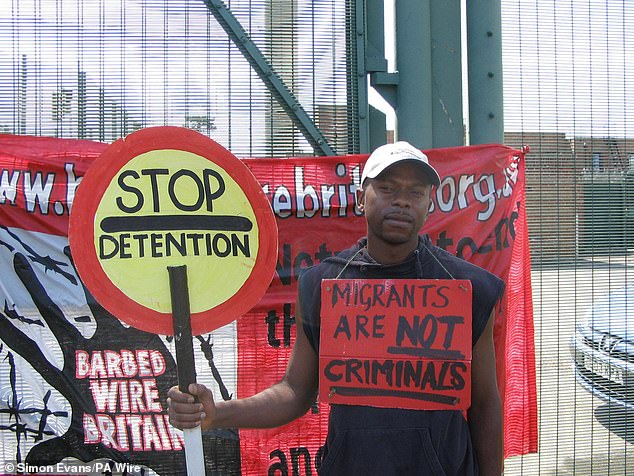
{"x":603,"y":348}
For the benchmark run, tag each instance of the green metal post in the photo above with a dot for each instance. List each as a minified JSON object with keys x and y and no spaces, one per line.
{"x":446,"y":69}
{"x":484,"y":55}
{"x":361,"y":77}
{"x":413,"y":62}
{"x":378,"y":128}
{"x":375,"y":62}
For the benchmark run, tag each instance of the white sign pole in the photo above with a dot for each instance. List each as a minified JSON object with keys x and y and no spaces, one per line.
{"x":185,"y":368}
{"x":194,"y":456}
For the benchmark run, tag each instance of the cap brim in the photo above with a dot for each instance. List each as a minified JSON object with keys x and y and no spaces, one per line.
{"x":434,"y":178}
{"x":432,"y":174}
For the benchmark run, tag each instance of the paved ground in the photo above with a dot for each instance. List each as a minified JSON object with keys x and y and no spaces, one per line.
{"x":579,"y":434}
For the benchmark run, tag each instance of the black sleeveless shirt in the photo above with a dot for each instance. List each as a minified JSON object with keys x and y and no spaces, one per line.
{"x":367,"y":440}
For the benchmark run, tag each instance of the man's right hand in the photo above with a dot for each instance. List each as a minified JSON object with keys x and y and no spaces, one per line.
{"x":185,"y":412}
{"x":274,"y":406}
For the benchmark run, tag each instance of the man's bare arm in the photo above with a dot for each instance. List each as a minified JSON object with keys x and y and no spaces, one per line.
{"x":275,"y":406}
{"x":485,"y":414}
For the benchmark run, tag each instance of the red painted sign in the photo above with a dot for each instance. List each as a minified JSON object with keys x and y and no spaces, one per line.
{"x":400,"y":343}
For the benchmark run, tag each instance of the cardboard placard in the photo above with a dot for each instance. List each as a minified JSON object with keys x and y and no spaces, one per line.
{"x":397,"y":343}
{"x":165,"y":197}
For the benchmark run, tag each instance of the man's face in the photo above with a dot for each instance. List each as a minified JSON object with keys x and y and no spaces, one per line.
{"x":396,"y":204}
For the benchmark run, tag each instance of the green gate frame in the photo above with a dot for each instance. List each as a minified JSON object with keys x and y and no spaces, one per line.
{"x":426,"y":91}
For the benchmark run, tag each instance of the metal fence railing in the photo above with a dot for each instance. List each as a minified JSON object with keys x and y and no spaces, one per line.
{"x":568,"y":94}
{"x":100,"y":69}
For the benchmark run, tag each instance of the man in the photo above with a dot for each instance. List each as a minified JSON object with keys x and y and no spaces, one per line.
{"x":395,"y":197}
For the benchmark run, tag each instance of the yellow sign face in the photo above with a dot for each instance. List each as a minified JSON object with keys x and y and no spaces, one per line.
{"x":169,"y":208}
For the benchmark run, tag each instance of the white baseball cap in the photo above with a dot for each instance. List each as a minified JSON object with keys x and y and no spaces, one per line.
{"x":389,"y":154}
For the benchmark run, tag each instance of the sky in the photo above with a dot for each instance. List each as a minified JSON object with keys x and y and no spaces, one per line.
{"x":567,"y":66}
{"x":162,"y":66}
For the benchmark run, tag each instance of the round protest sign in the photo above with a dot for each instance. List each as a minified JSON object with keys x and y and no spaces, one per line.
{"x":168,"y":196}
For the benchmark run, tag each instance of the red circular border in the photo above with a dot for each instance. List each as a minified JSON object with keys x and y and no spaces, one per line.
{"x":91,"y":190}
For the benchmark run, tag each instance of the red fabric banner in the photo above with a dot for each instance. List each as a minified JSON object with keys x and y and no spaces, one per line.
{"x":477,"y":213}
